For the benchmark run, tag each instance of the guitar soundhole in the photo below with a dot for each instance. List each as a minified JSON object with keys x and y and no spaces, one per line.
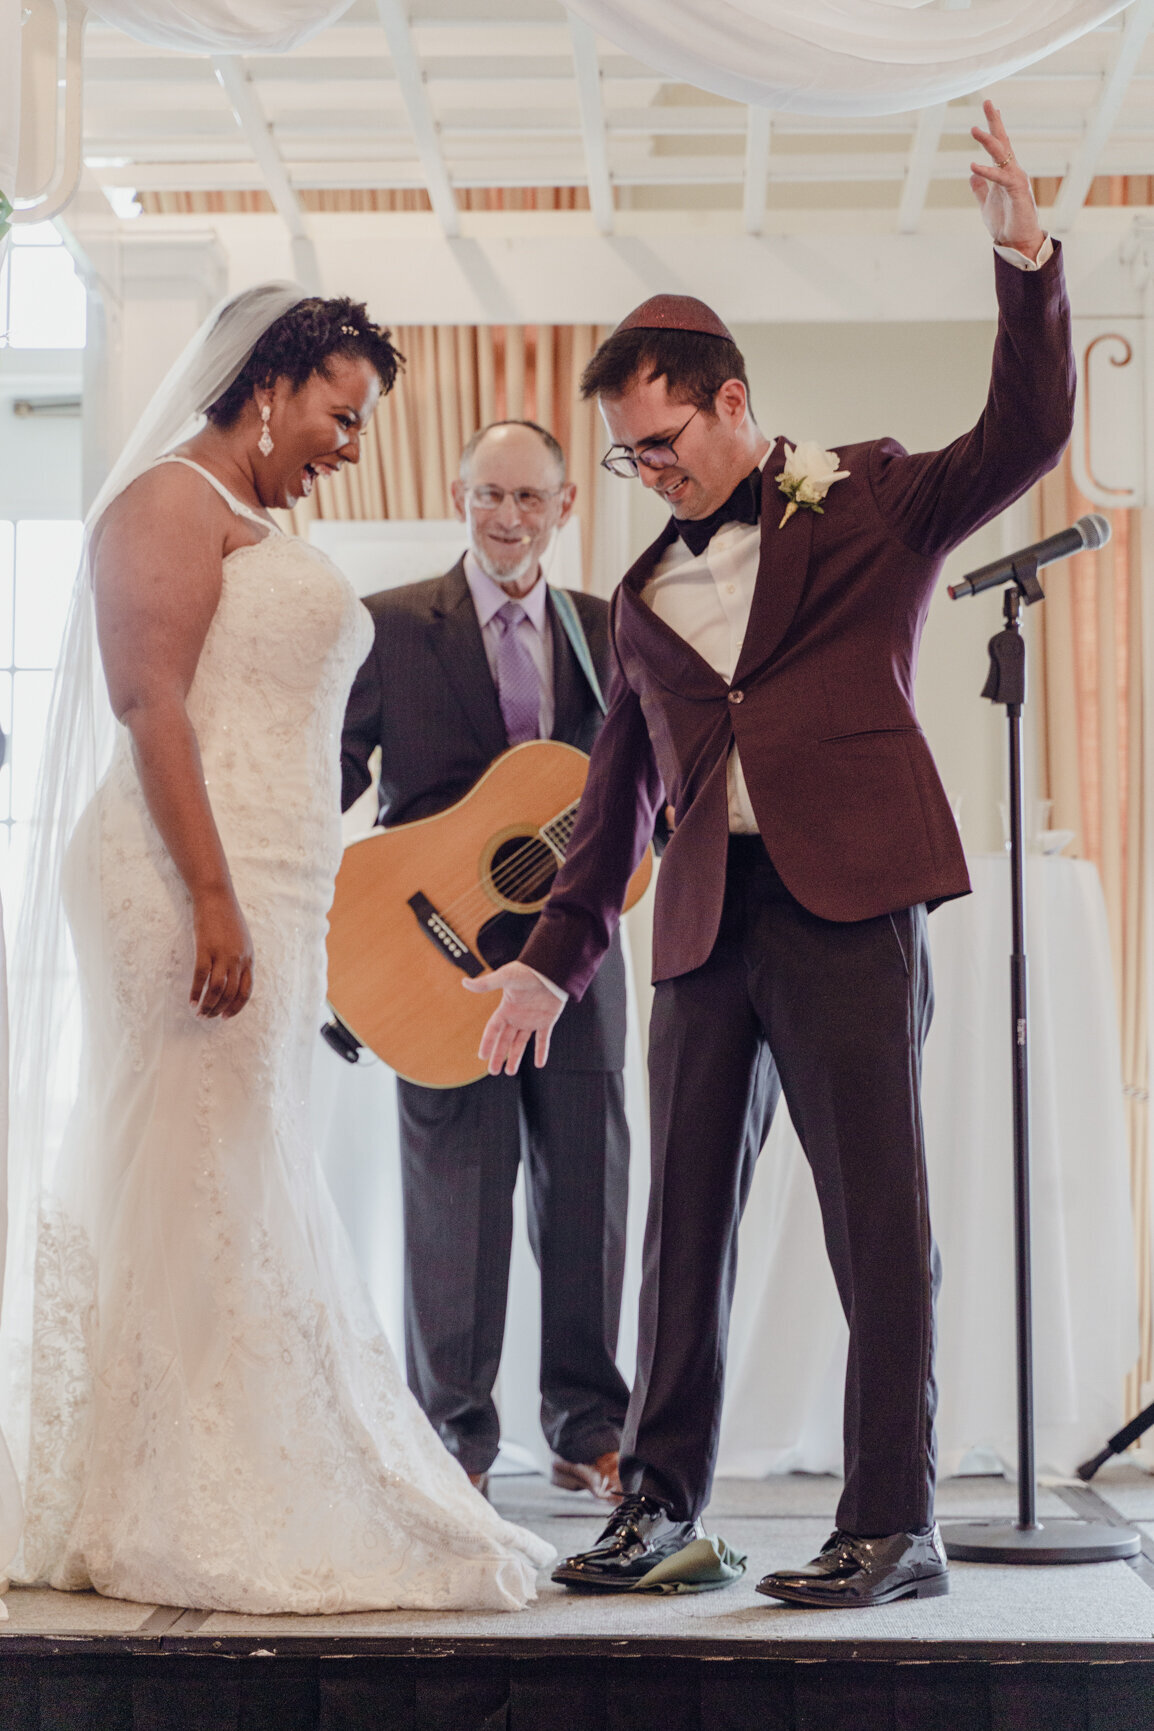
{"x":520,"y":871}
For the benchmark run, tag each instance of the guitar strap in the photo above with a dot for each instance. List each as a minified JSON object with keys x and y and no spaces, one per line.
{"x":575,"y":632}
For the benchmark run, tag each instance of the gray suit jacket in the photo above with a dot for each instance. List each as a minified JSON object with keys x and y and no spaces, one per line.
{"x":425,"y":695}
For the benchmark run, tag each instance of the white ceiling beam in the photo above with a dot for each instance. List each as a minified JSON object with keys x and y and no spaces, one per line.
{"x":250,"y":118}
{"x":699,"y":120}
{"x":242,"y":177}
{"x":757,"y":131}
{"x":923,"y":152}
{"x":587,"y":71}
{"x":414,"y":91}
{"x":201,"y":170}
{"x":1081,"y":171}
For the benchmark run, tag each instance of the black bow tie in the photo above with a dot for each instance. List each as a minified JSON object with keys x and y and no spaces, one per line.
{"x":742,"y":506}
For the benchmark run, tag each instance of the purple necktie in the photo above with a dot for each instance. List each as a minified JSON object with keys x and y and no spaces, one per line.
{"x":518,"y":685}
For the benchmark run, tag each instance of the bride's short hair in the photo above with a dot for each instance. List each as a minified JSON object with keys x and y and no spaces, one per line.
{"x":301,"y":343}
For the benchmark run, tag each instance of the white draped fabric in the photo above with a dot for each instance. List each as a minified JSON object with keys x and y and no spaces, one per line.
{"x":841,"y":56}
{"x":220,"y":26}
{"x":9,"y":98}
{"x":11,"y":1508}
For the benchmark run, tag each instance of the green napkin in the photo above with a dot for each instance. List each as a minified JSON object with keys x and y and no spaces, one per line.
{"x":700,"y":1567}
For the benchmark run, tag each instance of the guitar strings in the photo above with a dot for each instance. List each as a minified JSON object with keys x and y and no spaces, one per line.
{"x":521,"y":871}
{"x":525,"y":870}
{"x":520,"y":868}
{"x":520,"y":876}
{"x":535,"y":864}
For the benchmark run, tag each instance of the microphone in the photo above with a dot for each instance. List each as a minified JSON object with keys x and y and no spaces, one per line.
{"x":1087,"y":532}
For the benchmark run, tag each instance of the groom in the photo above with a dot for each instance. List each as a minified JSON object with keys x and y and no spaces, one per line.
{"x":766,"y":646}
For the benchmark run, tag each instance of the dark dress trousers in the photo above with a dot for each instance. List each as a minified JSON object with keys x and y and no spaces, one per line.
{"x":796,"y":960}
{"x":426,"y":697}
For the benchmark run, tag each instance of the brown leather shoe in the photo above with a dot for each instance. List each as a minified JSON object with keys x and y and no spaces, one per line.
{"x":480,"y":1482}
{"x":600,"y":1476}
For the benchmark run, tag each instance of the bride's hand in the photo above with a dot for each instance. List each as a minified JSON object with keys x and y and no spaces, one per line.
{"x":222,"y":982}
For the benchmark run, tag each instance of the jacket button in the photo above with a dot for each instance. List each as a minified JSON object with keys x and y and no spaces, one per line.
{"x":736,"y":696}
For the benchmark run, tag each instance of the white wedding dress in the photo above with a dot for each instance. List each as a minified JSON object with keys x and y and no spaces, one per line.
{"x":217,"y":1419}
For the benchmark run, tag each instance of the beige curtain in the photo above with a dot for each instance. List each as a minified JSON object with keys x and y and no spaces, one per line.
{"x":365,"y":198}
{"x":458,"y":378}
{"x":1104,"y":189}
{"x":1091,"y":763}
{"x":1091,"y":767}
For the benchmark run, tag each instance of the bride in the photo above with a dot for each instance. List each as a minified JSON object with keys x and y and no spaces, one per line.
{"x":216,"y":1420}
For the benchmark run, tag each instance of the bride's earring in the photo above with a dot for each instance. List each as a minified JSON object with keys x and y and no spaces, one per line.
{"x":264,"y":444}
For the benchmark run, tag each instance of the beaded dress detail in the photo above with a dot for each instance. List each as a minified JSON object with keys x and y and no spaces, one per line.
{"x":217,"y":1419}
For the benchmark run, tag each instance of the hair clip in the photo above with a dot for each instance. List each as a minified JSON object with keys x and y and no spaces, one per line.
{"x":350,"y":331}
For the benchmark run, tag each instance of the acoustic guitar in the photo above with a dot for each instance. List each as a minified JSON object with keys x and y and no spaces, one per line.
{"x":422,"y":905}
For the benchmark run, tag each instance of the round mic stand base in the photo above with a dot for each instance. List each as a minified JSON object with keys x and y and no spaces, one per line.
{"x":1057,"y":1541}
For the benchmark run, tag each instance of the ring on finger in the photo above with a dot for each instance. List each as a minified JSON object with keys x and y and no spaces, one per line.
{"x":1005,"y":162}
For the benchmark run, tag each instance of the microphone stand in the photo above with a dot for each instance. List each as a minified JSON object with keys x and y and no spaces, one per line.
{"x":1026,"y":1540}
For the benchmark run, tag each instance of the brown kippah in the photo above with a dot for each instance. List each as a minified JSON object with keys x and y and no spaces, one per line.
{"x":674,"y":313}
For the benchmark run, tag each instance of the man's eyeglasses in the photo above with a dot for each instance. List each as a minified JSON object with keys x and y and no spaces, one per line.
{"x":621,"y":460}
{"x":530,"y":500}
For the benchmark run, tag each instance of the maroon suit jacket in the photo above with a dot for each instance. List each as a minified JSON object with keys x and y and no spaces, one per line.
{"x":845,"y":791}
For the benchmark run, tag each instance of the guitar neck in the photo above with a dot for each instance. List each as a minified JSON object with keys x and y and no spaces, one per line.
{"x":559,"y":830}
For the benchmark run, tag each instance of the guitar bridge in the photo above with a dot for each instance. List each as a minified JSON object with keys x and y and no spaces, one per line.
{"x":440,"y":933}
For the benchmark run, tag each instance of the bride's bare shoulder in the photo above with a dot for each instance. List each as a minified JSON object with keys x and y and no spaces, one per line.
{"x":167,"y":485}
{"x":169,"y":501}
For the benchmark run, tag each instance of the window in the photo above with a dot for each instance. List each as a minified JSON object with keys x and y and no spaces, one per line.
{"x":37,"y":566}
{"x":42,"y":300}
{"x":42,"y":306}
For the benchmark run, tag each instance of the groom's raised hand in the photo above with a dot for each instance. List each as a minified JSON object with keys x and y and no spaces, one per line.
{"x":1003,"y":191}
{"x":528,"y":1010}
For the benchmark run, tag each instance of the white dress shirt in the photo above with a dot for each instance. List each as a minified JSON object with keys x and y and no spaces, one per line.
{"x":535,"y":629}
{"x":706,"y":598}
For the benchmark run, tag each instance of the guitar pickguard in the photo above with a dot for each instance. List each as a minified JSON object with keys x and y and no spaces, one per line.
{"x":502,"y":938}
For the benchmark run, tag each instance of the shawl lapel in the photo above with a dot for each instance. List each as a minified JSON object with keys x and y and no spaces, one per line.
{"x":456,"y":639}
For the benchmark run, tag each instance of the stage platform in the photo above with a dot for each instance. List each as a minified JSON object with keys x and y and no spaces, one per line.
{"x":1010,"y":1649}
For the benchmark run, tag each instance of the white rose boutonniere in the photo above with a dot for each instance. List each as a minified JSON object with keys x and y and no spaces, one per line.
{"x":808,"y":475}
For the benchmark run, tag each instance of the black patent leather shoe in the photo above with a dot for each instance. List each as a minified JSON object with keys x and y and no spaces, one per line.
{"x":851,"y":1572}
{"x":641,"y":1533}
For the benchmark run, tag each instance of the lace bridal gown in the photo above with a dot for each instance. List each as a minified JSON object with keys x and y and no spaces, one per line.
{"x":217,"y":1421}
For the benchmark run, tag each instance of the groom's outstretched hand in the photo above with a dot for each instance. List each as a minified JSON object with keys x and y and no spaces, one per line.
{"x":1002,"y":189}
{"x":528,"y":1009}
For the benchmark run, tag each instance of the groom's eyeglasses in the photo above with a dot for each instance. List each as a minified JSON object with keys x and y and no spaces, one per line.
{"x":623,"y":460}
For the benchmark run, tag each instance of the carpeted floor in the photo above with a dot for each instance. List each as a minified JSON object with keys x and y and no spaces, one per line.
{"x":777,"y":1521}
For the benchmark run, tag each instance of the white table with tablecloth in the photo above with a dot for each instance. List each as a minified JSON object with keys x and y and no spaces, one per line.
{"x":11,"y":1508}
